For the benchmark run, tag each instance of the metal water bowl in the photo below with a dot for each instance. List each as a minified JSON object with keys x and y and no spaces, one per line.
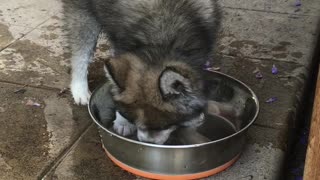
{"x":232,"y":109}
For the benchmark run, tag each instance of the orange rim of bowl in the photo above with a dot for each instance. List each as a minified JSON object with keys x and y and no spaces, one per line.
{"x":172,"y":177}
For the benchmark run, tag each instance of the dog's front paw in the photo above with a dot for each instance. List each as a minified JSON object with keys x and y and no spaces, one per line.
{"x":80,"y":93}
{"x":122,"y":127}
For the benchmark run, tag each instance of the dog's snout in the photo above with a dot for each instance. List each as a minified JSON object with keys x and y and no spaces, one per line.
{"x":156,"y":137}
{"x":198,"y":109}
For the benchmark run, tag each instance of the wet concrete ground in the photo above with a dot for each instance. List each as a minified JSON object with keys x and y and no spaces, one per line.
{"x":58,"y":140}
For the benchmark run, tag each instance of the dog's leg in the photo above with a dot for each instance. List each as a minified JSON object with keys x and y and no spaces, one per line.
{"x":83,"y":35}
{"x":122,"y":127}
{"x":81,"y":57}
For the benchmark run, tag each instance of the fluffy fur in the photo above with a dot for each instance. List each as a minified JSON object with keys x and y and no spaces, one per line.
{"x":159,"y":48}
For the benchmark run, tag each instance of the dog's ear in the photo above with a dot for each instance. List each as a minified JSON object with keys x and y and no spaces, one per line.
{"x":173,"y":83}
{"x":182,"y":88}
{"x":116,"y":72}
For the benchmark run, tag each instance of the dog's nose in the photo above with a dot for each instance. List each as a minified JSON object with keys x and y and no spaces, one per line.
{"x":198,"y":109}
{"x":197,"y":105}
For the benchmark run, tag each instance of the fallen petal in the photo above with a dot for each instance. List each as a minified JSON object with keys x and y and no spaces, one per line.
{"x":29,"y":103}
{"x":32,"y":103}
{"x":274,"y":69}
{"x":36,"y":104}
{"x":271,"y":100}
{"x":207,"y":65}
{"x":259,"y":75}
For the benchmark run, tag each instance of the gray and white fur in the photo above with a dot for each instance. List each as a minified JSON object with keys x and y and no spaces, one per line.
{"x":152,"y":30}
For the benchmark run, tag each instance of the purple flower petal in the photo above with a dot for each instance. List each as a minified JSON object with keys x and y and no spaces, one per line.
{"x":303,"y":140}
{"x":271,"y":100}
{"x":296,"y":170}
{"x":298,"y":3}
{"x":259,"y":75}
{"x":274,"y":69}
{"x":207,"y":65}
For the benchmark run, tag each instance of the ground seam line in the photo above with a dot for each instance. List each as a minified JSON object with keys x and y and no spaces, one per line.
{"x":52,"y":166}
{"x":266,"y":11}
{"x":25,"y":34}
{"x":32,"y":86}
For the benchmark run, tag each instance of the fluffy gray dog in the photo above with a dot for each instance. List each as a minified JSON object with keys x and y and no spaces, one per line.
{"x":159,"y":48}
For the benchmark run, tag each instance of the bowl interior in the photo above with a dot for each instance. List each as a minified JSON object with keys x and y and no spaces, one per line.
{"x":232,"y":108}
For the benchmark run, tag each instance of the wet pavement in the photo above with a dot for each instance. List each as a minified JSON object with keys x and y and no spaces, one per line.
{"x":55,"y":139}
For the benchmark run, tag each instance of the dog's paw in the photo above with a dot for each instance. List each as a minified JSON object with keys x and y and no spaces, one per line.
{"x":122,"y":127}
{"x":80,"y":93}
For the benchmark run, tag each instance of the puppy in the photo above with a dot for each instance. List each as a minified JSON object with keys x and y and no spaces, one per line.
{"x":159,"y":47}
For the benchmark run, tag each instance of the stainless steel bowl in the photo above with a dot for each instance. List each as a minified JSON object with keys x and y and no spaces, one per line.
{"x":232,"y":110}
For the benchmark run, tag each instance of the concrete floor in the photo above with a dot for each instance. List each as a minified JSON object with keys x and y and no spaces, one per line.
{"x":57,"y":140}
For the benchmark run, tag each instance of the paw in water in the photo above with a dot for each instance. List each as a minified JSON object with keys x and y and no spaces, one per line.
{"x":122,"y":126}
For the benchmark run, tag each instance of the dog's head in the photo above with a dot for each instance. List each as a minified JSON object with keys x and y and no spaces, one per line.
{"x":156,"y":98}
